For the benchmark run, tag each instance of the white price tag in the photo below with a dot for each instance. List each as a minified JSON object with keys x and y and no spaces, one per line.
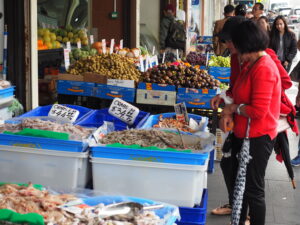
{"x":123,"y":110}
{"x":112,"y":45}
{"x":79,"y":44}
{"x":177,"y":54}
{"x":164,"y":56}
{"x":104,"y":46}
{"x":91,"y":39}
{"x":67,"y":58}
{"x":153,"y":50}
{"x":147,"y":63}
{"x":63,"y":113}
{"x":121,"y":43}
{"x":142,"y":64}
{"x":69,"y":45}
{"x":121,"y":83}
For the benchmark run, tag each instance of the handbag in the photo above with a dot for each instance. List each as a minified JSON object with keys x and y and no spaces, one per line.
{"x":295,"y":74}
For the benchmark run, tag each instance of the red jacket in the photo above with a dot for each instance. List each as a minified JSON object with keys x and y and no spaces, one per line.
{"x":286,"y":106}
{"x":260,"y":89}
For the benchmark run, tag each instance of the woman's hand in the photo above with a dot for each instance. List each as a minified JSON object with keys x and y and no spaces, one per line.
{"x":215,"y":102}
{"x":285,"y":63}
{"x":226,"y":123}
{"x":229,"y":109}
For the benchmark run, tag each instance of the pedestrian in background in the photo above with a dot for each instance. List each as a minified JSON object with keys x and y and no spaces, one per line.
{"x":220,"y":47}
{"x":257,"y":11}
{"x":240,"y":10}
{"x":283,"y":42}
{"x":263,"y":22}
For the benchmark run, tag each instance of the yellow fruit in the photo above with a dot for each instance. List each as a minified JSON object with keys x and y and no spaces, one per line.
{"x":53,"y":37}
{"x":64,"y":33}
{"x":70,"y":35}
{"x":46,"y":32}
{"x":77,"y":40}
{"x":85,"y":42}
{"x":65,"y":40}
{"x":46,"y":39}
{"x":82,"y":35}
{"x":59,"y":38}
{"x":58,"y":45}
{"x":49,"y":45}
{"x":40,"y":32}
{"x":54,"y":44}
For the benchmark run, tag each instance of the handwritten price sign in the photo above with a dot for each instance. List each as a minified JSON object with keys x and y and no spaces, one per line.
{"x":123,"y":110}
{"x":63,"y":113}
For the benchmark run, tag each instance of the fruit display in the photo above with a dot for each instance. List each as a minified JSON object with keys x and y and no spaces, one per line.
{"x":54,"y":38}
{"x":181,"y":76}
{"x":169,"y":57}
{"x":82,"y":53}
{"x":113,"y":66}
{"x":196,"y":58}
{"x":219,"y":61}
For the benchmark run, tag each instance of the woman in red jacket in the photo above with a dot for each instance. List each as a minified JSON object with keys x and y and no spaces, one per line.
{"x":256,"y":96}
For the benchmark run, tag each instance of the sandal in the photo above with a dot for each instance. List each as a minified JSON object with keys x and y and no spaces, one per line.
{"x":222,"y":210}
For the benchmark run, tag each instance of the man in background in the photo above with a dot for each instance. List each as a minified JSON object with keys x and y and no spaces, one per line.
{"x":219,"y":46}
{"x":257,"y":11}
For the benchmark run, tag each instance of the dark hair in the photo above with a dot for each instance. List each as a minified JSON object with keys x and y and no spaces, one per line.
{"x":240,"y":10}
{"x":228,"y":9}
{"x":247,"y":37}
{"x":274,"y":36}
{"x":261,"y":6}
{"x":267,"y":21}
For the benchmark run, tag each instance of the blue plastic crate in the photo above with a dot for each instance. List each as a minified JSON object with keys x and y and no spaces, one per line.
{"x":168,"y":212}
{"x":42,"y":143}
{"x":110,"y":92}
{"x":7,"y":92}
{"x":44,"y":111}
{"x":81,"y":88}
{"x":196,"y":98}
{"x":157,"y":87}
{"x":150,"y":155}
{"x":220,"y":73}
{"x":97,"y":118}
{"x":153,"y":119}
{"x":196,"y":215}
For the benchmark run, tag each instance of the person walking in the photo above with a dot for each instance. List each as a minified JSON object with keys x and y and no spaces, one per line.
{"x":219,"y":47}
{"x":263,"y":22}
{"x":257,"y":11}
{"x":283,"y":42}
{"x":256,"y":97}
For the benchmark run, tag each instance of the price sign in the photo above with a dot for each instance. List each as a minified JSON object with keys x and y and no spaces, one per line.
{"x":177,"y":54}
{"x":79,"y":44}
{"x":67,"y":58}
{"x":112,"y":45}
{"x":164,"y":56}
{"x":103,"y":46}
{"x":123,"y":110}
{"x":92,"y":39}
{"x":153,"y":50}
{"x":142,"y":64}
{"x":63,"y":113}
{"x":69,"y":45}
{"x":121,"y":43}
{"x":181,"y":112}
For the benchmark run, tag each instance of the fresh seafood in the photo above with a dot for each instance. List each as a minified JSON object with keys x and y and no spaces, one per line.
{"x":23,"y":200}
{"x":173,"y":123}
{"x":147,"y":138}
{"x":76,"y":132}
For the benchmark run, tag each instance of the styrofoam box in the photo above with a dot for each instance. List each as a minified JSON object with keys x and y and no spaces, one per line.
{"x":57,"y":169}
{"x":176,"y":184}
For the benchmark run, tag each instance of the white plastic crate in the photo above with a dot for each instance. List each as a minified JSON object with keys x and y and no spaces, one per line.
{"x":177,"y":184}
{"x":56,"y":169}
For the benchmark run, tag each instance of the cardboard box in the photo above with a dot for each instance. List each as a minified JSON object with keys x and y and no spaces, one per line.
{"x":156,"y":94}
{"x":68,"y":87}
{"x":110,"y":92}
{"x":95,"y":78}
{"x":67,"y":76}
{"x":196,"y":98}
{"x":220,"y":73}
